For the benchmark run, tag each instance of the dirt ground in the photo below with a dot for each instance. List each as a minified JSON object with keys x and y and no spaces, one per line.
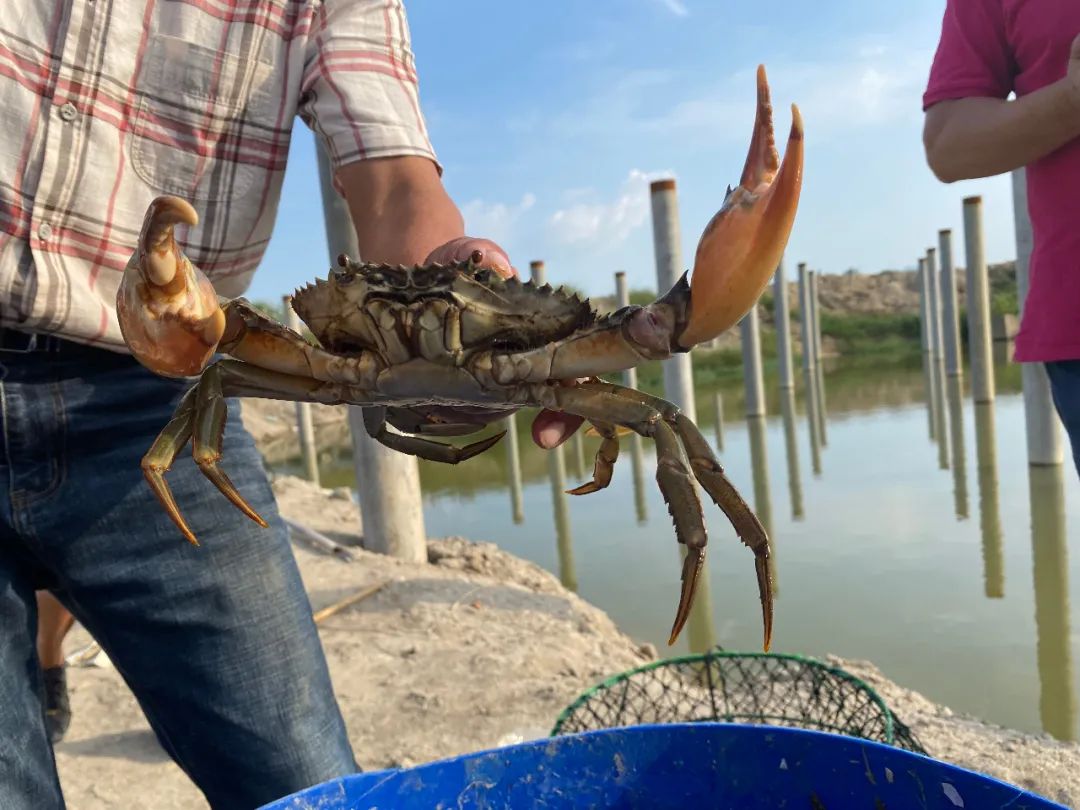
{"x":475,"y":649}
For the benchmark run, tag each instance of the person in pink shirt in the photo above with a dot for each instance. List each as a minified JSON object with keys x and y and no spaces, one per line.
{"x":988,"y":50}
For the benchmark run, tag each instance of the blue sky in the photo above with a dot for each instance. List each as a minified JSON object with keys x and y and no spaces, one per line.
{"x":551,"y":118}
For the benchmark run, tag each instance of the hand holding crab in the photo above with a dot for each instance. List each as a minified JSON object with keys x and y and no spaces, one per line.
{"x":446,"y":348}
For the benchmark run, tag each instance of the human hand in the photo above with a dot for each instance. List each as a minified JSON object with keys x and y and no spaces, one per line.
{"x":549,"y":428}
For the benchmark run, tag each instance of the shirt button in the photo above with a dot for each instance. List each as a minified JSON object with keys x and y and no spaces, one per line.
{"x":45,"y":231}
{"x":68,"y":111}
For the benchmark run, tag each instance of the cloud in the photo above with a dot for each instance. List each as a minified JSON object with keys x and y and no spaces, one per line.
{"x":604,"y":223}
{"x":496,"y":221}
{"x":676,"y":7}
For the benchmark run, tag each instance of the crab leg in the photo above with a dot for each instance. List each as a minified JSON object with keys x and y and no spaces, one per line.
{"x":375,"y":424}
{"x":201,"y":416}
{"x":606,"y":457}
{"x":659,"y":420}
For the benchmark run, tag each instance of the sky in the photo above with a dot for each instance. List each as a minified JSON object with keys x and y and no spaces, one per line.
{"x":550,"y":119}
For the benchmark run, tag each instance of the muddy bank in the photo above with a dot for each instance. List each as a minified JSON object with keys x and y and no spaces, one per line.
{"x":475,"y":649}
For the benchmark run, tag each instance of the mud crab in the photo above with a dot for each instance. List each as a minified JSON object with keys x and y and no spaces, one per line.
{"x":444,"y":350}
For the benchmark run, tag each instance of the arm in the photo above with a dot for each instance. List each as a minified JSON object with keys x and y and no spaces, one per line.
{"x":978,"y":137}
{"x":402,"y":214}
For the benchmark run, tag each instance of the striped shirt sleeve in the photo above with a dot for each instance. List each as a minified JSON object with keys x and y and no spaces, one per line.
{"x":359,"y":91}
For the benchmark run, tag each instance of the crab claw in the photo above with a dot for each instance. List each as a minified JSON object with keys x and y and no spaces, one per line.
{"x":167,"y":309}
{"x":743,"y":243}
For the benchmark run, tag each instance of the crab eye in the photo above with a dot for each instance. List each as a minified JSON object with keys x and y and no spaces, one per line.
{"x":342,"y":277}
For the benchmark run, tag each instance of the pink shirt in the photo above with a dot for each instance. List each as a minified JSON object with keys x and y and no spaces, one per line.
{"x":991,"y":48}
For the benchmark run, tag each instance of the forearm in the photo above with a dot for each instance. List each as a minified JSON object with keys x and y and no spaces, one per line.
{"x":980,"y":137}
{"x":399,"y":208}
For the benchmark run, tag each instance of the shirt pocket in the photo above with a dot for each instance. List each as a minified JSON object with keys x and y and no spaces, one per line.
{"x":205,"y":121}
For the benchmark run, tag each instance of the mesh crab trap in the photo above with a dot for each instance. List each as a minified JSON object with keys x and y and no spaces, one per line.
{"x":732,"y":687}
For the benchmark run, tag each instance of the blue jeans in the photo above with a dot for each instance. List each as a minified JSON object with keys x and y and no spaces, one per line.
{"x":1065,"y":385}
{"x":217,"y":643}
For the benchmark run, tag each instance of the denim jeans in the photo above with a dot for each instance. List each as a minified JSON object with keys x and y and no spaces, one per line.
{"x":1065,"y":386}
{"x":217,"y":642}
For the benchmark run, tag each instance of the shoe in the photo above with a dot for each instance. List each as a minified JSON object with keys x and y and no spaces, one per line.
{"x":57,"y":704}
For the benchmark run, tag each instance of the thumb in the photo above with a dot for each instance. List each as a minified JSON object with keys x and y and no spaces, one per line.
{"x":1074,"y":50}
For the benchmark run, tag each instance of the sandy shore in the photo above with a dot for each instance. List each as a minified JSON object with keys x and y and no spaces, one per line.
{"x":420,"y":666}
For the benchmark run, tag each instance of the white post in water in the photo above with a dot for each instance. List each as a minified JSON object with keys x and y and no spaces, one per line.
{"x":513,"y":462}
{"x":977,"y":293}
{"x":1043,"y":428}
{"x":305,"y":427}
{"x":806,"y":327}
{"x":924,"y":309}
{"x":782,"y":319}
{"x":753,"y":380}
{"x":934,"y":302}
{"x":819,"y":366}
{"x":678,"y":370}
{"x":950,"y":326}
{"x":388,"y":482}
{"x":622,"y":299}
{"x":937,"y":366}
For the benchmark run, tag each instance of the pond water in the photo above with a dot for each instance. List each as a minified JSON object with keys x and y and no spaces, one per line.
{"x":946,"y":564}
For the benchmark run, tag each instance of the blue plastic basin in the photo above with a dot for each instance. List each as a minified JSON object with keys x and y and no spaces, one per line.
{"x":700,"y":765}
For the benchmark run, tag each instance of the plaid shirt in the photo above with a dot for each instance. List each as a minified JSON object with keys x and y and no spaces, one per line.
{"x":106,"y":104}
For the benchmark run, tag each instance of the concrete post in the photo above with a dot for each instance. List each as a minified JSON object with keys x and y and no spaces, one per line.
{"x":678,"y":370}
{"x":950,"y":324}
{"x":955,"y":398}
{"x":782,"y":319}
{"x":637,"y":451}
{"x":753,"y":380}
{"x":1044,"y":443}
{"x":933,"y":286}
{"x":819,"y":366}
{"x":388,"y":482}
{"x":759,"y":468}
{"x":977,"y":293}
{"x":924,"y":308}
{"x":305,"y":428}
{"x":622,"y":299}
{"x":806,"y":326}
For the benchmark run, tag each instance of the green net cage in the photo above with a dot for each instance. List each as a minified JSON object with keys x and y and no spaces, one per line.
{"x":735,"y":687}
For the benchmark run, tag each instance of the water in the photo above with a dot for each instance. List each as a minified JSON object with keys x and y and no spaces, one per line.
{"x":945,"y":563}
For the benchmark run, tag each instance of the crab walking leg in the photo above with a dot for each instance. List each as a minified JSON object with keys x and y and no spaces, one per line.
{"x":163,"y":452}
{"x":604,"y":464}
{"x":673,"y":473}
{"x":202,"y":413}
{"x":658,"y":419}
{"x":375,"y":424}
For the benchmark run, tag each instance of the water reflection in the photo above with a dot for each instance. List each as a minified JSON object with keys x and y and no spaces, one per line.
{"x":941,"y":423}
{"x":513,"y":469}
{"x":718,"y":409}
{"x":700,"y":628}
{"x":812,"y":419}
{"x":637,"y":460}
{"x":1057,"y":696}
{"x":759,"y":466}
{"x":791,"y":445}
{"x":822,"y":411}
{"x":564,"y":541}
{"x":989,"y":511}
{"x":955,"y":395}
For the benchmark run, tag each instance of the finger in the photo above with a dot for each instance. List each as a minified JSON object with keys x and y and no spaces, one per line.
{"x":552,"y":428}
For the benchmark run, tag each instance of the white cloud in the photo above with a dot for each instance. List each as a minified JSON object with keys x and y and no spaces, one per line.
{"x":605,"y":223}
{"x":676,"y":7}
{"x":495,"y":221}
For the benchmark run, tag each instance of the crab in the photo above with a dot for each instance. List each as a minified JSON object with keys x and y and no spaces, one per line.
{"x":445,"y":350}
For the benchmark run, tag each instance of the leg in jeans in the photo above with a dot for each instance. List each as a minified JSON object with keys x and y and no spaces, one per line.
{"x":216,"y":642}
{"x":28,"y":778}
{"x":1065,"y":385}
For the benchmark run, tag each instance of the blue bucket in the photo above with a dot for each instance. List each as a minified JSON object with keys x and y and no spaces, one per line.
{"x":714,"y":765}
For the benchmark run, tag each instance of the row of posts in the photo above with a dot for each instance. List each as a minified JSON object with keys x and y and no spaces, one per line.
{"x":393,"y":515}
{"x":940,"y":329}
